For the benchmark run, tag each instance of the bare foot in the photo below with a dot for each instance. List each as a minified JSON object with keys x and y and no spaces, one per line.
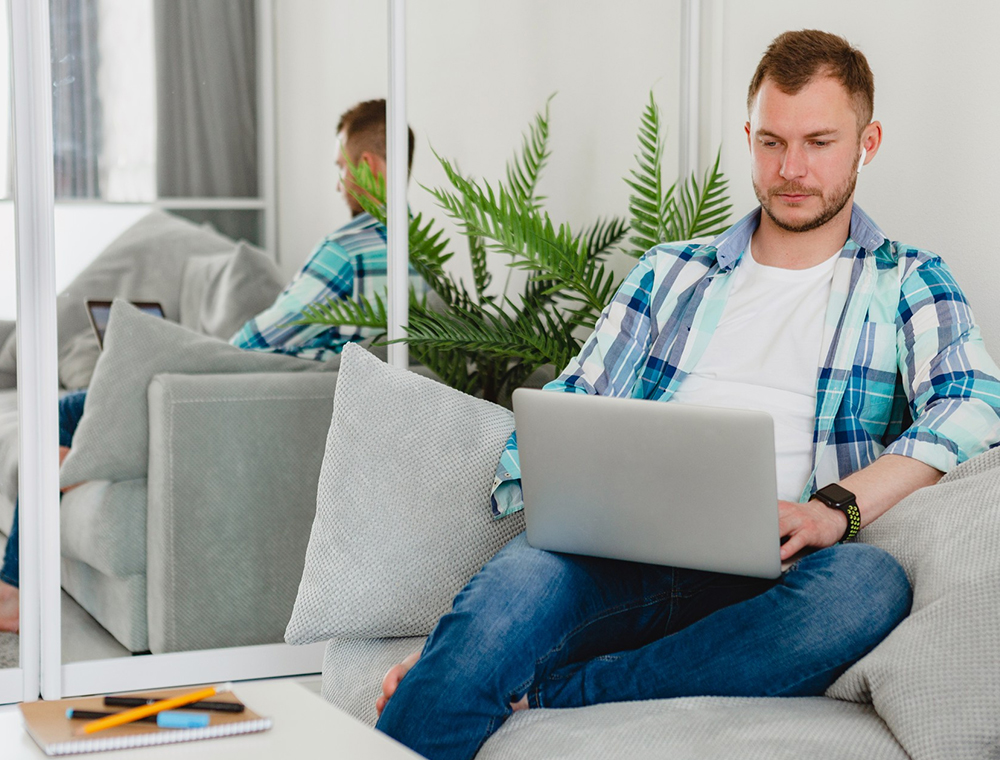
{"x":391,"y":682}
{"x":10,"y":609}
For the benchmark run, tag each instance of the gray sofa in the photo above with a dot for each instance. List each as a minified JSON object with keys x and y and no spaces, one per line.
{"x":391,"y":546}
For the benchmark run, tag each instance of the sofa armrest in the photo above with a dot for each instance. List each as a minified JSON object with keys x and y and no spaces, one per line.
{"x":234,"y":463}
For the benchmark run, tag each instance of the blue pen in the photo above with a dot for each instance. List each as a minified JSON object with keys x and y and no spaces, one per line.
{"x":166,"y":719}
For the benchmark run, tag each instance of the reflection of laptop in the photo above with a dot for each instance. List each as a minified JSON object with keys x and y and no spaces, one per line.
{"x":100,"y":311}
{"x":649,"y":481}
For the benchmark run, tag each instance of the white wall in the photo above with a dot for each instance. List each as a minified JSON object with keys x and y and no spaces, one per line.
{"x":935,"y":182}
{"x":477,"y":73}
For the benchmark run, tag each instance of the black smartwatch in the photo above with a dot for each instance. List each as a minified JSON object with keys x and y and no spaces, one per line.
{"x":838,"y":497}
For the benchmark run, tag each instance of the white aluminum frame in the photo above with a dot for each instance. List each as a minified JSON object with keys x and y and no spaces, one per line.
{"x":184,"y":668}
{"x":398,"y":227}
{"x":267,"y":180}
{"x":690,"y":95}
{"x":36,"y":338}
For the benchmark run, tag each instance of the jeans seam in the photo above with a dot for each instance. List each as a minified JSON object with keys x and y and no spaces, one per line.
{"x":643,"y":602}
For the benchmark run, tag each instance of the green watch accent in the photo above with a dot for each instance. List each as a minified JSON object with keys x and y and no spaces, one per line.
{"x":839,"y":498}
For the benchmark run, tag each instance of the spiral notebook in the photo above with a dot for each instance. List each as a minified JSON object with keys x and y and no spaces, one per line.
{"x":47,"y":724}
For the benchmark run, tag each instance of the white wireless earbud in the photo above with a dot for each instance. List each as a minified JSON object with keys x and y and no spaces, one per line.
{"x":861,"y":161}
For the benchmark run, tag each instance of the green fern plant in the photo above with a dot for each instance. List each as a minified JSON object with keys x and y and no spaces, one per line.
{"x":488,"y":344}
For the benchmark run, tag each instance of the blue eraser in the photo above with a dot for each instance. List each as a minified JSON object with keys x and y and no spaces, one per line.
{"x":69,"y":712}
{"x":178,"y":719}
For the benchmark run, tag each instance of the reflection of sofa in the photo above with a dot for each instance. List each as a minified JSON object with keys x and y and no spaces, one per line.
{"x":207,"y":550}
{"x":401,"y":524}
{"x":204,"y":553}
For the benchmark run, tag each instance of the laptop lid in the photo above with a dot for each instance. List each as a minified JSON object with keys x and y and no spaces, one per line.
{"x":649,"y":481}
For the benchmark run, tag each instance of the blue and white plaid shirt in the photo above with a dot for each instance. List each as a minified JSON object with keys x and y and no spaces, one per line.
{"x":904,"y":369}
{"x":348,"y":263}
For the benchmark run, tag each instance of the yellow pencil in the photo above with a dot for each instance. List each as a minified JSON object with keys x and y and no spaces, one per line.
{"x":128,"y":716}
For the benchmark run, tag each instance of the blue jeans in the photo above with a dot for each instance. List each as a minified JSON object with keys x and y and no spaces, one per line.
{"x":70,"y":412}
{"x":569,"y":631}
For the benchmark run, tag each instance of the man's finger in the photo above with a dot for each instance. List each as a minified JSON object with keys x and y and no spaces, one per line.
{"x":794,"y":543}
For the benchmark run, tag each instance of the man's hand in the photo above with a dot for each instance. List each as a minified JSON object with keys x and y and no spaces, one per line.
{"x":809,"y":524}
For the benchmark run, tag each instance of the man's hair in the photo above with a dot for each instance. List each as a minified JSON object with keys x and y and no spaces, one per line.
{"x":793,"y":59}
{"x":364,"y":128}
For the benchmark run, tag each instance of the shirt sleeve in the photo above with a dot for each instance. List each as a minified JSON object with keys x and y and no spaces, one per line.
{"x":607,"y":365}
{"x":328,"y":274}
{"x":951,"y":381}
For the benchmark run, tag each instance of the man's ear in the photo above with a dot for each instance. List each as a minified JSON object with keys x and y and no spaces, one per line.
{"x":746,"y":128}
{"x":871,"y":139}
{"x":375,"y":162}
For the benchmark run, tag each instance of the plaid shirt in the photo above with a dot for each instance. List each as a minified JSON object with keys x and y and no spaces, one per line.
{"x":904,"y":368}
{"x":349,"y":262}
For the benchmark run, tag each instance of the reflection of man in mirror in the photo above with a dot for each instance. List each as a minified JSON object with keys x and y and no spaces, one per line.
{"x":863,"y":350}
{"x":347,"y":263}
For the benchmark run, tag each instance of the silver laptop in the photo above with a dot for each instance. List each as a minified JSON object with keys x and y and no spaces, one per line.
{"x":649,"y":481}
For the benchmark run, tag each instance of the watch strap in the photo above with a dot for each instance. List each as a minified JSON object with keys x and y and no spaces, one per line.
{"x":853,"y":522}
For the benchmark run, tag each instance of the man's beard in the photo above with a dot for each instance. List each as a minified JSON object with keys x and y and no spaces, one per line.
{"x":828,"y":211}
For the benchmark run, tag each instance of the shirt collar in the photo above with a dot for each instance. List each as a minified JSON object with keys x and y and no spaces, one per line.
{"x":360,"y":222}
{"x":730,"y":244}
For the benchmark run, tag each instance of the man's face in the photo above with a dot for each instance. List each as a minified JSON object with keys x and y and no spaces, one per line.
{"x":345,"y":183}
{"x":804,"y":152}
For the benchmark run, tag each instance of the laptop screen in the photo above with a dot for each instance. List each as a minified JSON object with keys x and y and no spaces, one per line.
{"x":100,"y":312}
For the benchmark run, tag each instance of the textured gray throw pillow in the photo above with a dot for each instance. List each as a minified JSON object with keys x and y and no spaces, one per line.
{"x":935,"y":680}
{"x":222,"y":291}
{"x":402,"y":509}
{"x":111,"y":442}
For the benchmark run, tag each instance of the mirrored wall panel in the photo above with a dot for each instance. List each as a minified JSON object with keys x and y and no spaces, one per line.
{"x":158,"y":203}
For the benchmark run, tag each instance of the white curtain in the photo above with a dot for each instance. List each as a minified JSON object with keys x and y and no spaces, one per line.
{"x":206,"y":98}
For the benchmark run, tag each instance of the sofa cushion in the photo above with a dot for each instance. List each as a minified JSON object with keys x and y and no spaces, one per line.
{"x":111,"y":442}
{"x":402,"y":510}
{"x":935,"y":680}
{"x":222,"y":291}
{"x":707,"y":728}
{"x":104,"y":525}
{"x":144,"y":263}
{"x":353,"y":670}
{"x":77,"y":359}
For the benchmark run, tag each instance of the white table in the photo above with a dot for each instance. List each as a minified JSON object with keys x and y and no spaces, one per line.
{"x":305,"y":725}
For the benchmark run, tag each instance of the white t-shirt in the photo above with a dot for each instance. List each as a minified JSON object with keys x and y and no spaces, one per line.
{"x":764,"y":356}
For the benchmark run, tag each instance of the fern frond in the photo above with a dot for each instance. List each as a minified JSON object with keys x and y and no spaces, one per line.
{"x":603,"y":235}
{"x":480,"y":273}
{"x":703,"y":209}
{"x":523,"y":170}
{"x":341,"y":312}
{"x":648,"y":204}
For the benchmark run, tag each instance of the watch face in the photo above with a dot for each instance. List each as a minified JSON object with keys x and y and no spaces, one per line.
{"x":837,"y":494}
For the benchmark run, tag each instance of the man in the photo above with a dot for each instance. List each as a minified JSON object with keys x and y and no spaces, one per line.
{"x":805,"y":310}
{"x":348,"y":263}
